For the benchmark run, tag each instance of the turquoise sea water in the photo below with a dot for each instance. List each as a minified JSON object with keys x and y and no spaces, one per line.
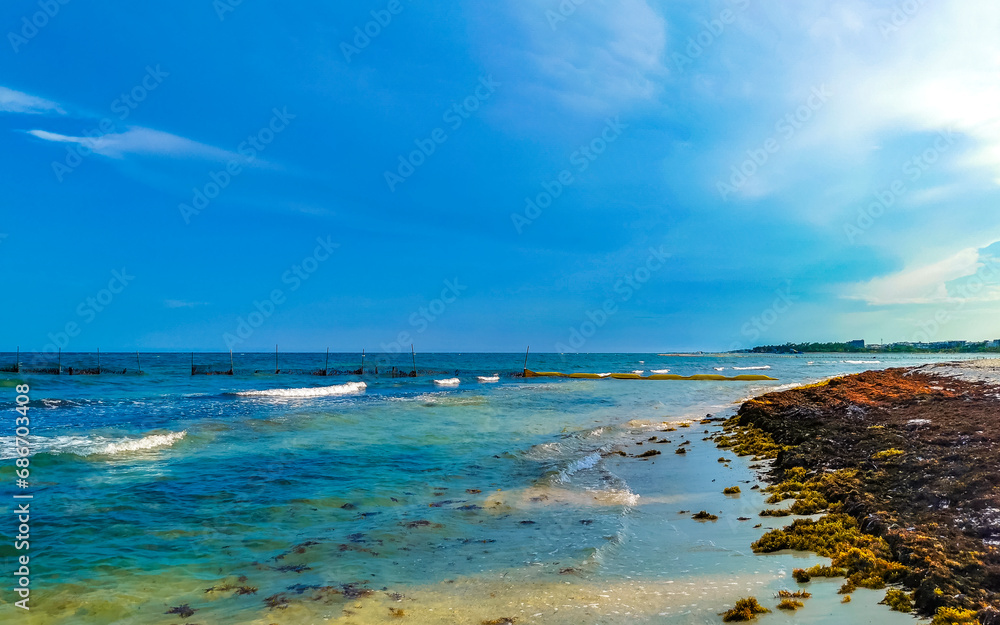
{"x":295,"y":498}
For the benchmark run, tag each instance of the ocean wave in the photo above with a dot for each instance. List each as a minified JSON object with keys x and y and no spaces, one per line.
{"x":315,"y":391}
{"x":153,"y":441}
{"x":638,"y":371}
{"x":659,"y":370}
{"x":581,"y":464}
{"x":448,"y":382}
{"x":752,"y":368}
{"x":488,"y":378}
{"x":544,"y":451}
{"x":92,"y":445}
{"x":862,"y":362}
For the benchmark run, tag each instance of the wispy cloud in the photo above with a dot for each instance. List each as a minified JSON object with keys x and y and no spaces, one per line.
{"x":141,"y":141}
{"x":597,"y":59}
{"x":932,"y":283}
{"x":18,"y":102}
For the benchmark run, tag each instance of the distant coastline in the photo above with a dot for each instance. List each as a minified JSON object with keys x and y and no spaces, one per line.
{"x":859,"y":346}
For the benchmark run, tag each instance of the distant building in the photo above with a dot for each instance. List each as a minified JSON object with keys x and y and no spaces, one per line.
{"x":860,"y":343}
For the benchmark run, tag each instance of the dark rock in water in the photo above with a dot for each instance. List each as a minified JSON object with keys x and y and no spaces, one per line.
{"x":527,"y":522}
{"x":587,"y":522}
{"x":278,"y":601}
{"x":348,"y":506}
{"x":182,"y":611}
{"x":649,"y":454}
{"x":681,"y":450}
{"x":351,"y":591}
{"x":420,"y":523}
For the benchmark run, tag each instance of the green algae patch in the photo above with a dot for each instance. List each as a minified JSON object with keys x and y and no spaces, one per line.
{"x":887,"y":454}
{"x":863,"y":559}
{"x":731,"y":490}
{"x":954,"y":616}
{"x":898,"y":600}
{"x":748,"y":441}
{"x":790,"y":604}
{"x":746,"y":609}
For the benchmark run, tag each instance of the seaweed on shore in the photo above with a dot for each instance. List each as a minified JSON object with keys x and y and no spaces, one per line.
{"x":746,"y":609}
{"x":904,"y":466}
{"x":790,"y":604}
{"x":898,"y":600}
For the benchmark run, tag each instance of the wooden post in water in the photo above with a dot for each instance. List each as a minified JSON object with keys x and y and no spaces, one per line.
{"x":17,"y":361}
{"x":276,"y":369}
{"x":413,"y":354}
{"x":326,"y":367}
{"x":192,"y":363}
{"x":230,"y":362}
{"x":525,"y":371}
{"x":59,"y":370}
{"x":137,"y":363}
{"x":98,"y":361}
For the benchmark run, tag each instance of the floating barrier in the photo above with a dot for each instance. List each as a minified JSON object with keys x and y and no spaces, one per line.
{"x":528,"y":373}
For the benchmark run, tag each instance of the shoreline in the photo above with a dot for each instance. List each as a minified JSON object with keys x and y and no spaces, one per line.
{"x":910,"y":455}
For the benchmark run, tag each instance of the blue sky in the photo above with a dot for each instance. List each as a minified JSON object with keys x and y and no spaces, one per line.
{"x":594,"y":176}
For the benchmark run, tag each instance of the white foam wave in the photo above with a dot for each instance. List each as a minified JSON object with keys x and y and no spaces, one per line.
{"x":317,"y":391}
{"x":91,"y":445}
{"x":448,"y":382}
{"x":719,"y":368}
{"x":587,"y":462}
{"x":861,"y":362}
{"x":488,"y":378}
{"x":660,"y":370}
{"x":138,"y":444}
{"x":752,"y":368}
{"x":638,"y":371}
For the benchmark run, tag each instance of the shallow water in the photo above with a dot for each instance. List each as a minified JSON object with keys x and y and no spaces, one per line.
{"x":347,"y":501}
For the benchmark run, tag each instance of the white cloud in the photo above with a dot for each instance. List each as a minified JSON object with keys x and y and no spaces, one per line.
{"x":17,"y":102}
{"x":948,"y":280}
{"x":140,"y":141}
{"x":936,"y":71}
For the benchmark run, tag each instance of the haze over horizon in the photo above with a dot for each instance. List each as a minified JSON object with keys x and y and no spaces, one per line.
{"x":646,"y":176}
